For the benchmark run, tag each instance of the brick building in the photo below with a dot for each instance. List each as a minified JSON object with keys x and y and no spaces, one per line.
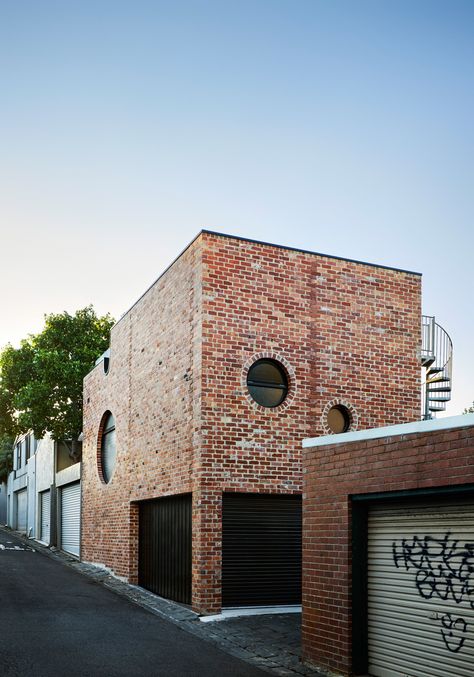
{"x":388,"y":553}
{"x":193,"y":422}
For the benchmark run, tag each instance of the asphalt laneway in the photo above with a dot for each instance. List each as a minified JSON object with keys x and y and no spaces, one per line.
{"x":56,"y":622}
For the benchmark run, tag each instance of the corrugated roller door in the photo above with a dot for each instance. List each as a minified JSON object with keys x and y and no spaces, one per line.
{"x":71,"y":518}
{"x":45,"y":515}
{"x":22,"y":502}
{"x":421,"y":591}
{"x":261,"y":550}
{"x":165,"y":547}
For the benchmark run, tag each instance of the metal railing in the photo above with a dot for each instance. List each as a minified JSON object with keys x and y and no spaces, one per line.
{"x":437,"y":358}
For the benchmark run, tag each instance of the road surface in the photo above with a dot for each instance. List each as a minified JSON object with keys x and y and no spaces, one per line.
{"x":57,"y":622}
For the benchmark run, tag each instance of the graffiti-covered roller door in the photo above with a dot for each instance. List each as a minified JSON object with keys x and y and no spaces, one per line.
{"x":421,"y":590}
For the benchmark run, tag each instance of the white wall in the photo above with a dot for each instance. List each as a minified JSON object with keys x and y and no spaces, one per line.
{"x":44,"y":464}
{"x":3,"y":503}
{"x":31,"y":509}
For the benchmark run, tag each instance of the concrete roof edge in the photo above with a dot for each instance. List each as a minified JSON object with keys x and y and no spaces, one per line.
{"x":448,"y":423}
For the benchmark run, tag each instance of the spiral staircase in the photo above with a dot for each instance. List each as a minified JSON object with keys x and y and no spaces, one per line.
{"x":437,"y":363}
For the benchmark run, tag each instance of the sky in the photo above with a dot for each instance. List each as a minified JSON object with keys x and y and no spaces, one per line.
{"x":335,"y":126}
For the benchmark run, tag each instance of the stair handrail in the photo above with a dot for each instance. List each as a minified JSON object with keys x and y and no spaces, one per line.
{"x":442,"y":347}
{"x":427,"y":336}
{"x":437,"y":346}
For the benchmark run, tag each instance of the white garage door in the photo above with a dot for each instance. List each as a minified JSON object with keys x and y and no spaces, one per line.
{"x":45,"y":506}
{"x":21,"y":507}
{"x":421,"y":591}
{"x":71,"y":518}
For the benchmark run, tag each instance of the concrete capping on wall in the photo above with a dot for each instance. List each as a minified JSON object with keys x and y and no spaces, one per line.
{"x":448,"y":423}
{"x":71,"y":474}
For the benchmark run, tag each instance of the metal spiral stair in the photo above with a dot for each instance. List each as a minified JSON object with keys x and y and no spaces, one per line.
{"x":437,"y":362}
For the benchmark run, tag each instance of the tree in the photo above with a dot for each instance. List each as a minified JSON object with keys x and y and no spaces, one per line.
{"x":6,"y":457}
{"x":469,"y":410}
{"x":41,"y":381}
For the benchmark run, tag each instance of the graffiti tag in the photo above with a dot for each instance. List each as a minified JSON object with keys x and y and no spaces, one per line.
{"x":444,"y":569}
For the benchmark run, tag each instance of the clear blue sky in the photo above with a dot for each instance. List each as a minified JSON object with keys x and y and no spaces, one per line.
{"x":341,"y":127}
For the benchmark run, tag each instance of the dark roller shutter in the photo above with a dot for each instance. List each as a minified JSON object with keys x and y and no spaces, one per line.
{"x":165,"y":547}
{"x":261,"y":550}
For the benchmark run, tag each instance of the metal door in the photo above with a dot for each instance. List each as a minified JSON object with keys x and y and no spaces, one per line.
{"x":22,"y":502}
{"x":421,"y":590}
{"x":261,"y":550}
{"x":45,"y":507}
{"x":165,"y":547}
{"x":71,"y":518}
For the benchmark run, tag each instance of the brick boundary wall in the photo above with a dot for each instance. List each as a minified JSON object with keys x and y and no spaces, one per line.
{"x":440,"y":456}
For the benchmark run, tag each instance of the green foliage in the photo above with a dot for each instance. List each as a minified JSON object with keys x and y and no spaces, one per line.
{"x":469,"y":410}
{"x":41,"y":381}
{"x":6,"y":457}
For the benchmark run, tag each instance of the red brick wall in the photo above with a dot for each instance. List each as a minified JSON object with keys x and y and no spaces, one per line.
{"x":343,"y":331}
{"x":331,"y":474}
{"x":153,"y":390}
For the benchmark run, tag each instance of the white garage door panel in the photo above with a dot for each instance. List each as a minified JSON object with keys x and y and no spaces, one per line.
{"x":22,"y":499}
{"x":45,"y":515}
{"x":421,"y":591}
{"x":71,"y":518}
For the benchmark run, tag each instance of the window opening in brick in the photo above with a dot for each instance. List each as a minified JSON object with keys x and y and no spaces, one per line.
{"x":108,"y":450}
{"x":267,"y":383}
{"x":339,"y":419}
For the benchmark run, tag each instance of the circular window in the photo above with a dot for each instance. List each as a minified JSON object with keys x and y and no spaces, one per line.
{"x":108,"y":449}
{"x":267,"y":383}
{"x":339,"y":419}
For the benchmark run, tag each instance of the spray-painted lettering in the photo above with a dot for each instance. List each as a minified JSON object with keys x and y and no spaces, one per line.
{"x":444,"y":569}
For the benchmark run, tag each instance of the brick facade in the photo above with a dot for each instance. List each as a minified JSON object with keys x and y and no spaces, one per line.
{"x":177,"y":385}
{"x":336,"y":473}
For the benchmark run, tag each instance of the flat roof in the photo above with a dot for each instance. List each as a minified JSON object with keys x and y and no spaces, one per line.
{"x":433,"y":425}
{"x":306,"y":251}
{"x":267,"y":244}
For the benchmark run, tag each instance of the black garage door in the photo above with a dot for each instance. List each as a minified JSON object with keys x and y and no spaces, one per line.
{"x":261,"y":550}
{"x":165,"y":547}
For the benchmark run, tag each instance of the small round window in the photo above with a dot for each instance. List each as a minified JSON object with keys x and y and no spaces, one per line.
{"x":267,"y":383}
{"x":339,"y":419}
{"x":108,"y":449}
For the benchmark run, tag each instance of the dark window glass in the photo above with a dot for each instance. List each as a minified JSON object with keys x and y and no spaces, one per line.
{"x":267,"y":383}
{"x":339,"y":419}
{"x":108,"y":448}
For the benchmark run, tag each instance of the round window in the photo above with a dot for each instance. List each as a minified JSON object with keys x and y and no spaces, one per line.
{"x":108,"y":450}
{"x":339,"y":419}
{"x":267,"y":383}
